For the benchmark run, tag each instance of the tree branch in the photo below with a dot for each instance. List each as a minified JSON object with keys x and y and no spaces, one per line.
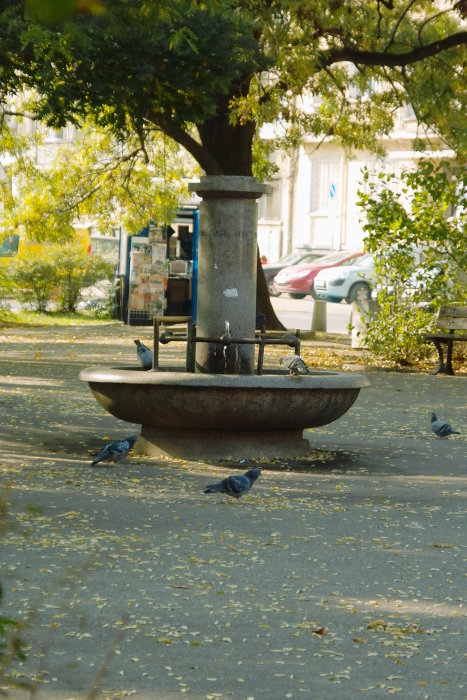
{"x":79,"y":198}
{"x":13,"y":113}
{"x":208,"y":163}
{"x":396,"y":26}
{"x":375,"y":58}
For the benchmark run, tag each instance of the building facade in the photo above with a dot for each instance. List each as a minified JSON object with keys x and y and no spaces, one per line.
{"x":315,"y":192}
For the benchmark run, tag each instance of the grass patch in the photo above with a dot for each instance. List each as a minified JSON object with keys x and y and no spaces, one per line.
{"x":51,"y":318}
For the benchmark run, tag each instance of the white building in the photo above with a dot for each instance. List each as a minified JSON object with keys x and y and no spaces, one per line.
{"x":314,"y":196}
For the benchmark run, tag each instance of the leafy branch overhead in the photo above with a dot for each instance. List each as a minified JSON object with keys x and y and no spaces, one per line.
{"x":209,"y":75}
{"x":108,"y":181}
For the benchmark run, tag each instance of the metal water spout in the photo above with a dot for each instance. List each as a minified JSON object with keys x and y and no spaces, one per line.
{"x":231,"y":355}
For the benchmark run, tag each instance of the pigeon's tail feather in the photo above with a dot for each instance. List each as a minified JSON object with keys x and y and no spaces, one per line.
{"x":446,"y":430}
{"x":213,"y":488}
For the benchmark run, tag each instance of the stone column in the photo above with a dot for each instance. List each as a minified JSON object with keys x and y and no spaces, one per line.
{"x":227,"y":267}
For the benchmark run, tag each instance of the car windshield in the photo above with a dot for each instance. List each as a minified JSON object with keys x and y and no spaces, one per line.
{"x":336,"y":257}
{"x":296,"y":257}
{"x":360,"y":260}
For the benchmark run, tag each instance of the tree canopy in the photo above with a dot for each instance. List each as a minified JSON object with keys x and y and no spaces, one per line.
{"x":209,"y":75}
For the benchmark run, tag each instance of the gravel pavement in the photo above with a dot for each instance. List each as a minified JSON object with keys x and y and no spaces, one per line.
{"x":337,"y":577}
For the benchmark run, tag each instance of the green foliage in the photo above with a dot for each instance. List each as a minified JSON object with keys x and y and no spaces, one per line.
{"x":416,"y":228}
{"x":76,"y":270}
{"x":395,"y":332}
{"x":109,"y":181}
{"x":58,"y":272}
{"x":225,"y":68}
{"x":35,"y":279}
{"x":6,"y":286}
{"x":54,"y":11}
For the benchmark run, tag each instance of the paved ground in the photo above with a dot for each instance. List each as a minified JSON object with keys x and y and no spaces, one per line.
{"x":341,"y":578}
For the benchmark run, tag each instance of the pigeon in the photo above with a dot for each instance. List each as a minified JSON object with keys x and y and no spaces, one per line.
{"x":144,"y":355}
{"x":115,"y":451}
{"x":294,"y":364}
{"x":440,"y":428}
{"x":291,"y":340}
{"x":235,"y":486}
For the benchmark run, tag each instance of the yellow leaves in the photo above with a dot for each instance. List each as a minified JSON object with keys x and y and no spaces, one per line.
{"x":164,"y":640}
{"x":313,"y":627}
{"x":443,"y":545}
{"x":377,"y":625}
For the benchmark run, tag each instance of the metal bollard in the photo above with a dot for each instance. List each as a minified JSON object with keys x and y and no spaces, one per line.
{"x":318,"y":318}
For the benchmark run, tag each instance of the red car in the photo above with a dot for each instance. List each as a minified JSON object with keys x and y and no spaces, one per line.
{"x":297,"y":280}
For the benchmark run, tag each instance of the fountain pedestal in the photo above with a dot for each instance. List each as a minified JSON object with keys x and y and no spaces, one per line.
{"x":227,"y":266}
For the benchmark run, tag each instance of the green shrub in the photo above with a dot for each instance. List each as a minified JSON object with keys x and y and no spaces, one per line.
{"x":6,"y":286}
{"x":58,"y":273}
{"x":416,"y":229}
{"x":75,"y":271}
{"x":395,"y":332}
{"x":34,"y":279}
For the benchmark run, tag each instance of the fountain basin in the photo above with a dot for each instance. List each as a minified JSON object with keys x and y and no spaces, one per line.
{"x":206,"y":416}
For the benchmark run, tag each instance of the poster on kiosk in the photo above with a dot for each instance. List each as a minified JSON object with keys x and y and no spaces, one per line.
{"x":148,"y":276}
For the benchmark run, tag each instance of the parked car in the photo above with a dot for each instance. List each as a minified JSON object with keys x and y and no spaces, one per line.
{"x":297,"y":280}
{"x":352,"y":281}
{"x":303,"y":254}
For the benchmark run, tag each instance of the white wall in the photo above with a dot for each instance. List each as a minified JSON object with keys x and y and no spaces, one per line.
{"x":312,"y":211}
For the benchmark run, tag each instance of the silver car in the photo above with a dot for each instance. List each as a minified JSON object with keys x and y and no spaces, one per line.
{"x":352,"y":282}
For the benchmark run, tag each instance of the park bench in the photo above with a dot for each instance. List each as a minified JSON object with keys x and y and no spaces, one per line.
{"x":450,"y":318}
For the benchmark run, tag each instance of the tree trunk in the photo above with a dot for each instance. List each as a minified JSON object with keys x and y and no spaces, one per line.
{"x":263,"y":300}
{"x":229,"y":144}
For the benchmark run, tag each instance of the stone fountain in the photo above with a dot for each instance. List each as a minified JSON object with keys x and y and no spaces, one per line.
{"x":209,"y":414}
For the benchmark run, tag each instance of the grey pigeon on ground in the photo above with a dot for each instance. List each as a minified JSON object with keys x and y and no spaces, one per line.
{"x":235,"y":486}
{"x":440,"y":428}
{"x":115,"y":451}
{"x":144,"y":355}
{"x":294,"y":364}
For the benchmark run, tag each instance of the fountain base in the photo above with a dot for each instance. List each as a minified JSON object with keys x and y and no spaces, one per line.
{"x":227,"y":445}
{"x":206,"y":416}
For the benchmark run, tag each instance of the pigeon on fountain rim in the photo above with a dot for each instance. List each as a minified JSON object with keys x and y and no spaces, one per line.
{"x":143,"y":354}
{"x":294,"y":364}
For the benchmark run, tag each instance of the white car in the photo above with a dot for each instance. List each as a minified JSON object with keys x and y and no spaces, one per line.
{"x":352,"y":282}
